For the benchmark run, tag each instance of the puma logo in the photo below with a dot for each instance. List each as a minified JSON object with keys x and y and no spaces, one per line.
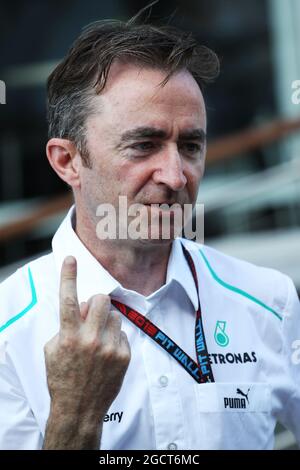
{"x":233,"y":402}
{"x":240,"y":392}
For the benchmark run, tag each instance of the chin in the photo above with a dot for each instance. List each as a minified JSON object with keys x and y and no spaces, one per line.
{"x":159,"y":239}
{"x":154,"y":243}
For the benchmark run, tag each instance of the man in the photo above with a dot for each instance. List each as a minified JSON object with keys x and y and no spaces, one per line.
{"x":150,"y":343}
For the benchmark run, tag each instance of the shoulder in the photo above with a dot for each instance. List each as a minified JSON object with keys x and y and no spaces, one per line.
{"x":259,"y":284}
{"x":24,"y":292}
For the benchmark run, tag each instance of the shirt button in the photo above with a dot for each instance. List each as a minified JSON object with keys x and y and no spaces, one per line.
{"x":163,"y":380}
{"x":172,"y":446}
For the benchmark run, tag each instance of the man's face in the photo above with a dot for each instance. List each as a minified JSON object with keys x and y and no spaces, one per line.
{"x":147,"y":142}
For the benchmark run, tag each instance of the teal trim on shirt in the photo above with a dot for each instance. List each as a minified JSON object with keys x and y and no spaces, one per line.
{"x":237,"y":290}
{"x":29,"y":307}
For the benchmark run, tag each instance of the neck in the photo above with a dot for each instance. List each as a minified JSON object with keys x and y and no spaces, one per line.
{"x":138,"y":266}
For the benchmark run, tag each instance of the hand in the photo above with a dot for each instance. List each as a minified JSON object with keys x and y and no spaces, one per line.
{"x":86,"y":361}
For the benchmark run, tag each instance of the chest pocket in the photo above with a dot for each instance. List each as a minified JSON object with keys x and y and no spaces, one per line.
{"x":235,"y":415}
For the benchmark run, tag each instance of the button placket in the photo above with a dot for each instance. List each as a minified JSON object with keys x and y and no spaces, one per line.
{"x":172,"y":446}
{"x":163,"y":381}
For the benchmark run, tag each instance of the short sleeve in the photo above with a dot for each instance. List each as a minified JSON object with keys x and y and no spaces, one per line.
{"x":18,"y":427}
{"x":290,"y":415}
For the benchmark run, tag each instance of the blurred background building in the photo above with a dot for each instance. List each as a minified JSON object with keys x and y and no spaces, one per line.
{"x":251,"y":190}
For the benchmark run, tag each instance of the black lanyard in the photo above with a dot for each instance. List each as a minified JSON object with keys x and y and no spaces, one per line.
{"x":200,"y":371}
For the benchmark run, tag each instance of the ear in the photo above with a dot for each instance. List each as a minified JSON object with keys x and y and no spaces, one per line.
{"x":65,"y":160}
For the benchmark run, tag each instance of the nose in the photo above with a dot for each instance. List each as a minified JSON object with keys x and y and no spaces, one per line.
{"x":169,"y":170}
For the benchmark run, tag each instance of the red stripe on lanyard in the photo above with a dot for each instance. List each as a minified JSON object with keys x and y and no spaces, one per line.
{"x":200,"y":371}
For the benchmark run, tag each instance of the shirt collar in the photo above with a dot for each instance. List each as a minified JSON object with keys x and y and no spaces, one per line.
{"x":180,"y":272}
{"x":93,"y":279}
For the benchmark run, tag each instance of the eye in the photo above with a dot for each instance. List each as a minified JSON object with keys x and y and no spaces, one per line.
{"x":191,"y":147}
{"x":143,"y":146}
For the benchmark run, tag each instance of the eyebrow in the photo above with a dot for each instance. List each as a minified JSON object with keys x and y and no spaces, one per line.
{"x":153,"y":132}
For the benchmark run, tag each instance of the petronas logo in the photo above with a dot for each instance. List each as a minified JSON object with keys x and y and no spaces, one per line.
{"x":221,"y":337}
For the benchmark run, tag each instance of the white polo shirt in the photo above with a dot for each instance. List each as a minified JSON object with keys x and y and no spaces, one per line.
{"x":251,"y":320}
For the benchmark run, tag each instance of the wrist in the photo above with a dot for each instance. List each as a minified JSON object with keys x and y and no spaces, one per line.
{"x":72,"y":431}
